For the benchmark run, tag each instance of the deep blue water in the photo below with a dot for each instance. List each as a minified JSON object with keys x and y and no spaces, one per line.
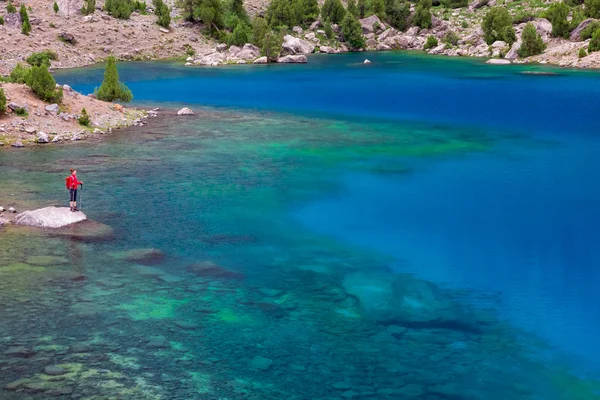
{"x":521,"y":220}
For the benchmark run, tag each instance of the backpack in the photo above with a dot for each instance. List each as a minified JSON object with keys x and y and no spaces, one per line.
{"x":67,"y":182}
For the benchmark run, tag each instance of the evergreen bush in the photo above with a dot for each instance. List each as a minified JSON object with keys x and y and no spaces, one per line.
{"x":422,"y":17}
{"x":333,"y":11}
{"x":1,"y":20}
{"x":352,"y":8}
{"x":260,"y":27}
{"x":55,"y":7}
{"x":589,"y":30}
{"x":592,"y":8}
{"x":398,"y":12}
{"x":10,"y":8}
{"x":532,"y":42}
{"x":352,"y":31}
{"x":272,"y":45}
{"x":89,"y":6}
{"x":240,"y":35}
{"x":582,"y":53}
{"x":328,"y":30}
{"x":497,"y":25}
{"x":112,"y":89}
{"x":19,"y":74}
{"x":25,"y":24}
{"x":595,"y":42}
{"x":2,"y":102}
{"x":430,"y":43}
{"x":42,"y":58}
{"x":161,"y":10}
{"x":84,"y":118}
{"x":557,"y":14}
{"x":41,"y":81}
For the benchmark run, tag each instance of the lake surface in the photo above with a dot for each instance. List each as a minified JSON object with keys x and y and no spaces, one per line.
{"x":415,"y":228}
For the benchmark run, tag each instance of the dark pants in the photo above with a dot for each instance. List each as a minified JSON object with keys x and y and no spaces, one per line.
{"x":73,"y":194}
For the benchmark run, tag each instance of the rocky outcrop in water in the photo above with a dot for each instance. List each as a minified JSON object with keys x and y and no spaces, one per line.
{"x":49,"y":217}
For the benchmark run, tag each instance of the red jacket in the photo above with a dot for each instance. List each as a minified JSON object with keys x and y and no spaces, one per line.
{"x":72,"y":182}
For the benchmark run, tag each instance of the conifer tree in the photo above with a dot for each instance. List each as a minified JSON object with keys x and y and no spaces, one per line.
{"x":55,"y":7}
{"x":310,"y":11}
{"x":41,"y":81}
{"x":378,"y":8}
{"x":352,"y":31}
{"x":2,"y":102}
{"x":352,"y":8}
{"x":89,"y":6}
{"x":25,"y":25}
{"x":333,"y":11}
{"x":532,"y":42}
{"x":112,"y":89}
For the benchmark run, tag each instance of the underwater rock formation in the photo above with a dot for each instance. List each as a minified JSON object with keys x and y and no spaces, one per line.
{"x":405,"y":300}
{"x":49,"y":217}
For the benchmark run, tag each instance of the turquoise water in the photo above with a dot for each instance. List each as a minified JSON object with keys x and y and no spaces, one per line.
{"x":418,"y":228}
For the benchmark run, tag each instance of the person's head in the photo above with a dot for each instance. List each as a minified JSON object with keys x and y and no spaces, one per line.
{"x":73,"y":172}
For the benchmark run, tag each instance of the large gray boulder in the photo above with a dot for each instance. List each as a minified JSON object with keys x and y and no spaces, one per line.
{"x":49,"y":217}
{"x":249,"y":52}
{"x":67,"y":8}
{"x":293,"y":45}
{"x":402,"y":299}
{"x":543,"y":27}
{"x":576,"y":34}
{"x":368,"y":24}
{"x":297,"y":59}
{"x":12,"y":20}
{"x":513,"y":53}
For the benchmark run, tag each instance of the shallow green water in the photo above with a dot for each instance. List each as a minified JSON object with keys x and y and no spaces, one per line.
{"x":226,"y":186}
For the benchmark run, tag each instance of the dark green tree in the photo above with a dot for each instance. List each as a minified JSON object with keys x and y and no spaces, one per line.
{"x":497,"y":25}
{"x":240,"y":35}
{"x":430,"y":43}
{"x":19,"y":74}
{"x":363,"y":8}
{"x":352,"y":8}
{"x":42,"y":83}
{"x":84,"y":118}
{"x":210,"y":12}
{"x":333,"y":11}
{"x":557,"y":14}
{"x":594,"y":42}
{"x":237,"y":8}
{"x":310,"y":11}
{"x":2,"y":102}
{"x":162,"y":12}
{"x":1,"y":20}
{"x":592,"y":8}
{"x":532,"y":42}
{"x":422,"y":17}
{"x":120,"y":9}
{"x":352,"y":32}
{"x":260,"y":27}
{"x":281,"y":13}
{"x":55,"y":7}
{"x":112,"y":89}
{"x":88,"y":7}
{"x":42,"y":58}
{"x":10,"y":8}
{"x":328,"y":30}
{"x":25,"y":25}
{"x":378,"y":8}
{"x":398,"y":12}
{"x":272,"y":45}
{"x":187,"y":8}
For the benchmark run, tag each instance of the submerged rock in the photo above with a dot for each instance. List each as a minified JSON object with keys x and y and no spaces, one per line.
{"x":210,"y":269}
{"x":141,"y":256}
{"x":498,"y":61}
{"x":261,"y":363}
{"x":404,"y":300}
{"x":185,"y":111}
{"x":49,"y":217}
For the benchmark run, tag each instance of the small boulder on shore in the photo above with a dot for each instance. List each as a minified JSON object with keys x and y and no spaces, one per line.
{"x":498,"y":61}
{"x":185,"y":111}
{"x":297,"y":59}
{"x":49,"y":217}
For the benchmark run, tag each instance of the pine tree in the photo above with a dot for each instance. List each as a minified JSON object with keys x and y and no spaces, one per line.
{"x":84,"y":118}
{"x":89,"y":6}
{"x":112,"y":89}
{"x":352,"y":31}
{"x":25,"y":25}
{"x":260,"y":27}
{"x":532,"y":42}
{"x":55,"y":7}
{"x":310,"y":11}
{"x":352,"y":8}
{"x":272,"y":45}
{"x":422,"y":17}
{"x":2,"y":102}
{"x":42,"y":83}
{"x":333,"y":11}
{"x":378,"y":8}
{"x":363,"y":8}
{"x":210,"y":12}
{"x":10,"y":8}
{"x":161,"y":10}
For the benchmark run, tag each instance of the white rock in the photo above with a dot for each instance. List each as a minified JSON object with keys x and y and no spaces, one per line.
{"x":163,"y":30}
{"x":189,"y":59}
{"x":12,"y":210}
{"x":56,"y":138}
{"x":1,"y":209}
{"x":292,"y":59}
{"x":292,"y":45}
{"x":49,"y":217}
{"x":498,"y":61}
{"x":52,"y":109}
{"x":367,"y":61}
{"x":42,"y":138}
{"x":185,"y":111}
{"x":261,"y":60}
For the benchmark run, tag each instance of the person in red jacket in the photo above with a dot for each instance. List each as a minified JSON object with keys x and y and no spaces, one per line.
{"x":72,"y":185}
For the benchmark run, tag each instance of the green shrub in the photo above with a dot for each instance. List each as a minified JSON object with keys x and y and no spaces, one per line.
{"x":272,"y":45}
{"x":19,"y":74}
{"x":451,"y":38}
{"x":25,"y":25}
{"x":21,"y":112}
{"x":328,"y":30}
{"x":260,"y":27}
{"x":240,"y":35}
{"x":592,"y":8}
{"x":2,"y":102}
{"x":52,"y":25}
{"x":454,"y":3}
{"x":377,"y":8}
{"x":41,"y":81}
{"x":42,"y":58}
{"x":430,"y":43}
{"x":162,"y":12}
{"x":352,"y":8}
{"x":1,"y":20}
{"x":333,"y":11}
{"x":464,"y":25}
{"x":497,"y":25}
{"x":84,"y":118}
{"x":282,"y":13}
{"x":55,"y":7}
{"x":422,"y":17}
{"x":363,"y":8}
{"x":557,"y":14}
{"x":589,"y":30}
{"x":210,"y":12}
{"x":112,"y":89}
{"x":398,"y":12}
{"x":532,"y":42}
{"x":582,"y":53}
{"x":595,"y":42}
{"x":310,"y":11}
{"x":352,"y":31}
{"x":89,"y":6}
{"x":120,"y":9}
{"x":10,"y":8}
{"x":523,"y":16}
